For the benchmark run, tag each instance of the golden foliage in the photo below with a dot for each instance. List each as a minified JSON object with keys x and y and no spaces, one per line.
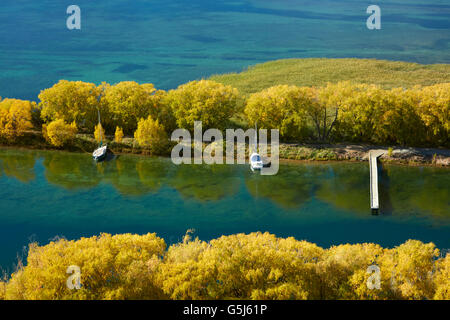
{"x":359,"y":112}
{"x":127,"y":102}
{"x":412,"y":265}
{"x":414,"y":117}
{"x":442,"y":279}
{"x":418,"y":116}
{"x":15,"y":117}
{"x":112,"y":267}
{"x":281,"y":107}
{"x":2,"y":290}
{"x":59,"y":133}
{"x":434,"y":110}
{"x":118,"y":136}
{"x":207,"y":101}
{"x":151,"y":135}
{"x":71,"y":101}
{"x":99,"y":133}
{"x":253,"y":266}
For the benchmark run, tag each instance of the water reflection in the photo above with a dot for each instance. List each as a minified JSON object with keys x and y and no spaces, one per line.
{"x":205,"y":183}
{"x":70,"y":171}
{"x":346,"y":187}
{"x":122,"y":174}
{"x":290,"y":189}
{"x":426,"y":190}
{"x":152,"y":174}
{"x":404,"y":191}
{"x":19,"y":165}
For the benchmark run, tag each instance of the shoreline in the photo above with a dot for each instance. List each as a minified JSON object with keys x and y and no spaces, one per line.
{"x":353,"y":152}
{"x":298,"y":153}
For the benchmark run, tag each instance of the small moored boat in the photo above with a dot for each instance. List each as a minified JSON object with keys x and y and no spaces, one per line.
{"x":100,"y":153}
{"x":256,"y":162}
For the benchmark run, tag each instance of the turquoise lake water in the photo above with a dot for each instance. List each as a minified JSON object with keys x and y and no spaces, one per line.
{"x":45,"y":194}
{"x":169,"y":42}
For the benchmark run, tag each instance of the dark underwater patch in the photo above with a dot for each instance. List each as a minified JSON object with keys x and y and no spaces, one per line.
{"x":202,"y":39}
{"x":165,"y":64}
{"x":129,"y":67}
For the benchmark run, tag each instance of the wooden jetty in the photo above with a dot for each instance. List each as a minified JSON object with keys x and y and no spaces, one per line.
{"x":373,"y":166}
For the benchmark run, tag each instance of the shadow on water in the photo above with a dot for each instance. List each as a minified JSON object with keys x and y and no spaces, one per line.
{"x":345,"y":187}
{"x":405,"y":192}
{"x":110,"y":156}
{"x":386,"y":207}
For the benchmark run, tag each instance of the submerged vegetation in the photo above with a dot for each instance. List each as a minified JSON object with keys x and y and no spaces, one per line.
{"x":253,"y":266}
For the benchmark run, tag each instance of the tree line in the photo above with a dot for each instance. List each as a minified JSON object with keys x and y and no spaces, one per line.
{"x":253,"y":266}
{"x":419,"y":116}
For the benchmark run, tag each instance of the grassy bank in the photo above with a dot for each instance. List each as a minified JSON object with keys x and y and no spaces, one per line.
{"x":320,"y":71}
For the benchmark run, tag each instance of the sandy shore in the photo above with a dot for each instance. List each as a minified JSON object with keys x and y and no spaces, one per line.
{"x":403,"y":155}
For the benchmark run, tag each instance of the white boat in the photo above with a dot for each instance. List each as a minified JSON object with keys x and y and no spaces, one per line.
{"x":256,"y":162}
{"x":100,"y":153}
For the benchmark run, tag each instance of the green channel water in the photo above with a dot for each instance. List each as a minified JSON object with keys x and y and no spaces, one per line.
{"x":44,"y":194}
{"x":169,"y":42}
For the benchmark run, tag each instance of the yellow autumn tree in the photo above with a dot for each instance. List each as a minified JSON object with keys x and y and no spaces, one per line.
{"x":399,"y":122}
{"x":434,"y":109}
{"x":325,"y":111}
{"x":150,"y":134}
{"x":442,"y":279}
{"x":2,"y":290}
{"x":360,"y":111}
{"x":118,"y":136}
{"x":412,"y":265}
{"x":281,"y":107}
{"x":129,"y":101}
{"x":207,"y":101}
{"x":15,"y":117}
{"x":406,"y":272}
{"x":59,"y":133}
{"x":241,"y":266}
{"x":255,"y":266}
{"x":341,"y":267}
{"x":99,"y":133}
{"x":72,"y":101}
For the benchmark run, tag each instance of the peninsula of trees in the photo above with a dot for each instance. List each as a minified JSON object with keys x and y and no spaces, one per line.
{"x":325,"y":110}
